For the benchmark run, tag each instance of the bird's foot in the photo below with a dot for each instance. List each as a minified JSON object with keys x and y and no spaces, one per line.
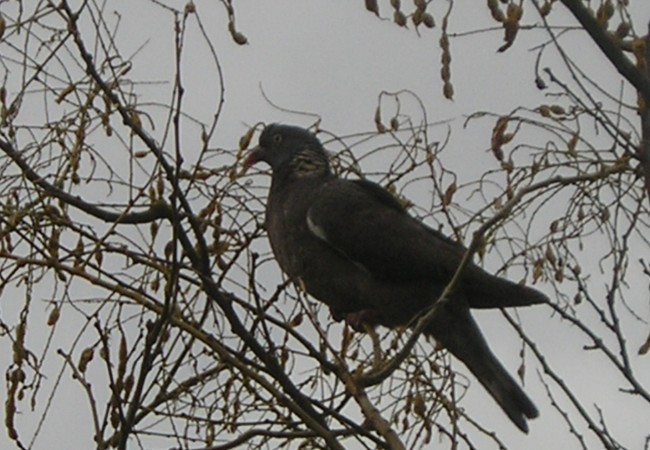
{"x":358,"y":319}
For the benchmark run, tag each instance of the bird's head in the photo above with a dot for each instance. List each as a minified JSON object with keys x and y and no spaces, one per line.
{"x":289,"y":150}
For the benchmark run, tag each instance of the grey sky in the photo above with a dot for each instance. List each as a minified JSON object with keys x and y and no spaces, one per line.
{"x":332,"y":58}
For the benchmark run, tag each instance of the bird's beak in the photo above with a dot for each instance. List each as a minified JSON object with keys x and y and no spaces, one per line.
{"x":255,"y":155}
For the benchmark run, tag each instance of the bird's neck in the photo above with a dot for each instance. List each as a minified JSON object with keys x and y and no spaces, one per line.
{"x":304,"y":179}
{"x":298,"y":182}
{"x":306,"y":164}
{"x":309,"y":163}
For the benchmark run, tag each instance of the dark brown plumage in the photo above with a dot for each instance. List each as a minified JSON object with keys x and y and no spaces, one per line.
{"x":353,"y":247}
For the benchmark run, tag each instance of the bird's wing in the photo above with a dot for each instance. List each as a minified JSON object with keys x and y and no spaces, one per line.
{"x":369,"y":226}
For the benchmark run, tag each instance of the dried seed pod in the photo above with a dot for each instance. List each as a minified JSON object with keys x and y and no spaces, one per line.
{"x":64,"y":93}
{"x":511,"y":25}
{"x":380,"y":126}
{"x":514,"y":12}
{"x":577,"y":270}
{"x":622,"y":30}
{"x":128,"y":385}
{"x":448,"y":91}
{"x":605,"y":12}
{"x":428,"y":21}
{"x":371,"y":5}
{"x":419,"y":407}
{"x":577,"y":299}
{"x":53,"y":243}
{"x":136,"y":122}
{"x":399,"y":18}
{"x":544,"y":110}
{"x":538,"y":270}
{"x":53,"y":318}
{"x":85,"y":358}
{"x":571,"y":145}
{"x":511,"y":29}
{"x":297,"y":320}
{"x":17,"y":375}
{"x":449,"y":193}
{"x":445,"y":73}
{"x":78,"y":252}
{"x":18,"y":344}
{"x":160,"y":185}
{"x":498,"y":138}
{"x":496,"y":12}
{"x":238,"y":37}
{"x":558,"y":110}
{"x":115,"y":419}
{"x":246,"y":138}
{"x":416,"y":17}
{"x":550,"y":255}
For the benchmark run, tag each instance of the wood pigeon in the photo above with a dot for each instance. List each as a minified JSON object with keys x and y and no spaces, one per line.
{"x":352,"y":246}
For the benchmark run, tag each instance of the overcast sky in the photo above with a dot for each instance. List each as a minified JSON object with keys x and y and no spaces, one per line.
{"x":332,"y":58}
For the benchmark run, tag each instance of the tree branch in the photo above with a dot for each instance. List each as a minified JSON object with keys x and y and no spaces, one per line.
{"x":159,"y":210}
{"x":609,"y":47}
{"x":644,"y":146}
{"x":420,"y":323}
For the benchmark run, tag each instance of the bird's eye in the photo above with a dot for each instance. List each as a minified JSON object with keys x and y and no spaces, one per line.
{"x":277,"y":138}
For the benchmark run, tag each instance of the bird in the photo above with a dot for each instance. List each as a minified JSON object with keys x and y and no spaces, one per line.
{"x":353,"y":246}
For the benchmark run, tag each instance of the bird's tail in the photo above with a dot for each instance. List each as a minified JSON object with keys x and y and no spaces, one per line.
{"x":456,"y":330}
{"x":485,"y":290}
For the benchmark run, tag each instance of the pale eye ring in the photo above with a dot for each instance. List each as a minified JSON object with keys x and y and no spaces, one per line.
{"x":277,"y":138}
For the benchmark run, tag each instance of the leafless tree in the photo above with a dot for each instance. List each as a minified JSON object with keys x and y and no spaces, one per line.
{"x":136,"y":272}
